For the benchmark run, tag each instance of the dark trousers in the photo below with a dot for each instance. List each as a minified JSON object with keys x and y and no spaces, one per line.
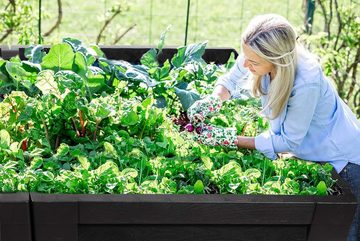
{"x":351,"y":174}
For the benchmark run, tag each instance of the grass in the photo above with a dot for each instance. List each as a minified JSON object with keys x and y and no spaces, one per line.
{"x":219,"y":22}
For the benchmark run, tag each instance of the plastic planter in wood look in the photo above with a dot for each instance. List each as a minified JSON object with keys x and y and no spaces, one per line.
{"x":208,"y":217}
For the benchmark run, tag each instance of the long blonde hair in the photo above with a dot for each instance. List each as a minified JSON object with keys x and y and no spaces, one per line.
{"x":273,"y":38}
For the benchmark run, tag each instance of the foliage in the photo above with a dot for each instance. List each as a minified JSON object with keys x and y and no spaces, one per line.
{"x":16,"y":19}
{"x":73,"y":121}
{"x":339,"y":48}
{"x":110,"y":16}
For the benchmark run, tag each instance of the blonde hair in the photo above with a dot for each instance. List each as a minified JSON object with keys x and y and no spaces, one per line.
{"x":273,"y":38}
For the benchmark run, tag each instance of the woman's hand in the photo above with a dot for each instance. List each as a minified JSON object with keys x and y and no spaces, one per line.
{"x":216,"y":136}
{"x":211,"y":104}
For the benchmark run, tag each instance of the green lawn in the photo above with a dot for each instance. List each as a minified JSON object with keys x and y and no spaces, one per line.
{"x":219,"y":22}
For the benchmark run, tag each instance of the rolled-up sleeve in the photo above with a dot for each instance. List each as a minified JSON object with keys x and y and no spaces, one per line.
{"x":299,"y":114}
{"x":236,"y":79}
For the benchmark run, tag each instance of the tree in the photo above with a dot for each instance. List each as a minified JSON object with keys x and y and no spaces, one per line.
{"x":16,"y":19}
{"x":339,"y":47}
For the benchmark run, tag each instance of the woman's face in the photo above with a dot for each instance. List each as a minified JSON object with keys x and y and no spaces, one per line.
{"x":256,"y":64}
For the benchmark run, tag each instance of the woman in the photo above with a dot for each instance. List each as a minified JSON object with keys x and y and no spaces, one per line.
{"x":307,"y":117}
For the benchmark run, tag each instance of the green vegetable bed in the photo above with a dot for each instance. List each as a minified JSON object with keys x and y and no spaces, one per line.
{"x":73,"y":121}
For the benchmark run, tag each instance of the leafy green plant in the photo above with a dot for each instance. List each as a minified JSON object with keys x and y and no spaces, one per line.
{"x":73,"y":121}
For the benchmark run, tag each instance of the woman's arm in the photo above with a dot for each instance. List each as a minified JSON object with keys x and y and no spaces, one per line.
{"x":246,"y":142}
{"x":222,"y":93}
{"x":300,"y":111}
{"x":231,"y":84}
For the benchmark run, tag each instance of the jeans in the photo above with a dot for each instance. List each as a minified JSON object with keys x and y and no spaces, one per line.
{"x":351,"y":174}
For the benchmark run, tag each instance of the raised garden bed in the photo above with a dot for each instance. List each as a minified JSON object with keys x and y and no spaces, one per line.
{"x":210,"y":217}
{"x":72,"y":164}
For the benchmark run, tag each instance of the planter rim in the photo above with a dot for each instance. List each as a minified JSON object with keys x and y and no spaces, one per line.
{"x":16,"y":197}
{"x":192,"y":198}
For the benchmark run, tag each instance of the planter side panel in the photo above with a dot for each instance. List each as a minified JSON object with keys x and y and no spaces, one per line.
{"x":133,"y":54}
{"x":15,"y":217}
{"x":196,"y":213}
{"x":332,"y":218}
{"x":331,"y":221}
{"x":190,"y":217}
{"x":8,"y":53}
{"x":55,"y":220}
{"x":191,"y":232}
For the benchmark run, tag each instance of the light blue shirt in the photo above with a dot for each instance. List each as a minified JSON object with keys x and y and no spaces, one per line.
{"x":315,"y":124}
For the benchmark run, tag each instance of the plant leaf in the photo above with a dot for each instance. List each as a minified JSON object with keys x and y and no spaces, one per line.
{"x":35,"y":54}
{"x":47,"y":84}
{"x":199,"y":187}
{"x":187,"y":98}
{"x":4,"y":138}
{"x":149,"y":59}
{"x":162,"y":39}
{"x":60,"y":57}
{"x":321,"y":188}
{"x":84,"y":162}
{"x":187,"y":54}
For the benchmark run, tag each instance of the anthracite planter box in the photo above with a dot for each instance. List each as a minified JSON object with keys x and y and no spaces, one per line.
{"x":171,"y":217}
{"x":208,"y":217}
{"x":133,"y":54}
{"x":15,"y":221}
{"x":7,"y":53}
